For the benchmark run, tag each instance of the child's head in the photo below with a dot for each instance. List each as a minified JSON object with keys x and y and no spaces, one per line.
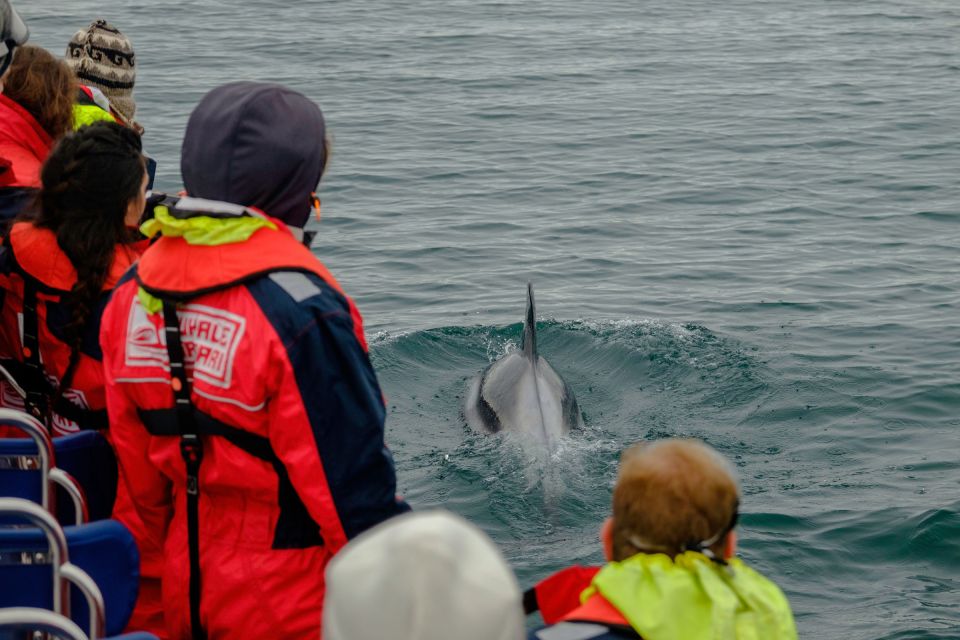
{"x":672,"y":496}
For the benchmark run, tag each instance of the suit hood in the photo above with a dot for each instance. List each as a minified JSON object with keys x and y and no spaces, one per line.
{"x":257,"y":145}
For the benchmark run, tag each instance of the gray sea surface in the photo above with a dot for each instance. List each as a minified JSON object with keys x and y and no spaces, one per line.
{"x":742,"y":220}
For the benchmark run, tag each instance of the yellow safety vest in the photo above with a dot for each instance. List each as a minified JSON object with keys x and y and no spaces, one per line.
{"x":691,"y":597}
{"x":84,"y":114}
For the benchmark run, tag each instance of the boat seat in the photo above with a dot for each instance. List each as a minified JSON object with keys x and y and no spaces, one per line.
{"x":86,"y":455}
{"x":15,"y":621}
{"x":105,"y":550}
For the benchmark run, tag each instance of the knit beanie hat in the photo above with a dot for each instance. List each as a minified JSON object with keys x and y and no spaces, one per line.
{"x":102,"y":57}
{"x":427,"y":575}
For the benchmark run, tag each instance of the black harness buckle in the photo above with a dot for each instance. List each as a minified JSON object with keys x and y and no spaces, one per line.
{"x":191,"y":448}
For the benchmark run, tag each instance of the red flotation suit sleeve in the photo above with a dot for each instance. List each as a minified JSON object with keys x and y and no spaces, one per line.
{"x":559,"y":594}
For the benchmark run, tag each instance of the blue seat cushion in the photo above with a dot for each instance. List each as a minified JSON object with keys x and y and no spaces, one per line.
{"x":85,"y":455}
{"x":105,"y":550}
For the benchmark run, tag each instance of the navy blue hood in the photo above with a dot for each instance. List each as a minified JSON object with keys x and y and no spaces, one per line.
{"x":257,"y":145}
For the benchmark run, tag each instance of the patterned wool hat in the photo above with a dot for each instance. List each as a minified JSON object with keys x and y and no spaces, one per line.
{"x":103,"y":57}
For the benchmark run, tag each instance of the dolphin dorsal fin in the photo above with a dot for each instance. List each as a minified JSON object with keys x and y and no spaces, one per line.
{"x":529,"y":340}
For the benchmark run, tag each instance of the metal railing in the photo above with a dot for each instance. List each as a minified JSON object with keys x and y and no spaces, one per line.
{"x":33,"y":428}
{"x":30,"y":619}
{"x":50,"y":475}
{"x":75,"y":491}
{"x":64,"y":573}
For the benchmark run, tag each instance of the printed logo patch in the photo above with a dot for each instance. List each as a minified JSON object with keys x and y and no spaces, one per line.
{"x":10,"y":398}
{"x":62,"y":426}
{"x":210,"y":339}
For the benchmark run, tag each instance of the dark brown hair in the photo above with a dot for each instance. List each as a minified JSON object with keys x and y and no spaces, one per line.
{"x":43,"y":85}
{"x":88,"y":182}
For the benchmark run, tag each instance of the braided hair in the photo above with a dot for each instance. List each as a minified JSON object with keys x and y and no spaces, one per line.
{"x":88,"y":182}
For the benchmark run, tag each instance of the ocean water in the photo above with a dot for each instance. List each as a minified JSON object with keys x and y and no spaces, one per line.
{"x":742,"y":220}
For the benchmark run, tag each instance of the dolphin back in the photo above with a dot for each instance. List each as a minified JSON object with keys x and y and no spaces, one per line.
{"x":521,"y":392}
{"x":528,"y":341}
{"x":514,"y":395}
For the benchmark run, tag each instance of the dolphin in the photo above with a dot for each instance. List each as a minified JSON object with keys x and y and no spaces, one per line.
{"x":522,"y":393}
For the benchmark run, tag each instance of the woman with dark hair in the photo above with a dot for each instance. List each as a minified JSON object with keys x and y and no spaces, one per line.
{"x":57,"y":266}
{"x":36,"y":109}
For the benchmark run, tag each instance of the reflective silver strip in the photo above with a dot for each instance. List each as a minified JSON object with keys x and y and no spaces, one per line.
{"x":297,"y":285}
{"x":572,"y":631}
{"x":209,"y":396}
{"x":236,"y":403}
{"x":142,"y":380}
{"x":202,"y":205}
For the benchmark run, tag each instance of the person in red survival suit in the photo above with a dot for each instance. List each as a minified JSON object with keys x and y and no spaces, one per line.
{"x":247,"y":417}
{"x":57,"y":266}
{"x":36,"y":109}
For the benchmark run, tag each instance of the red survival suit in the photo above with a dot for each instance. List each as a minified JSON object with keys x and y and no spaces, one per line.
{"x":290,"y":424}
{"x":24,"y":145}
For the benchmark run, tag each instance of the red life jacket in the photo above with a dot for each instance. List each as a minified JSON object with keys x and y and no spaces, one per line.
{"x":558,"y":600}
{"x":559,"y":593}
{"x":597,"y":610}
{"x":33,"y":267}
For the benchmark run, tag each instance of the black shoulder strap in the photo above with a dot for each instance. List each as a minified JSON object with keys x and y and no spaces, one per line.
{"x":85,"y":419}
{"x":41,"y":396}
{"x":35,"y":384}
{"x":191,"y":448}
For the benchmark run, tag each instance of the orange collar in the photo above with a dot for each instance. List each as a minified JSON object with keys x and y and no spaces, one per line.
{"x":597,"y":609}
{"x":39,"y":255}
{"x":175,"y":269}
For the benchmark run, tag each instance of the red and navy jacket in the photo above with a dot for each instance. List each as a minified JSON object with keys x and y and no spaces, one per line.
{"x":30,"y":258}
{"x":275,"y":353}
